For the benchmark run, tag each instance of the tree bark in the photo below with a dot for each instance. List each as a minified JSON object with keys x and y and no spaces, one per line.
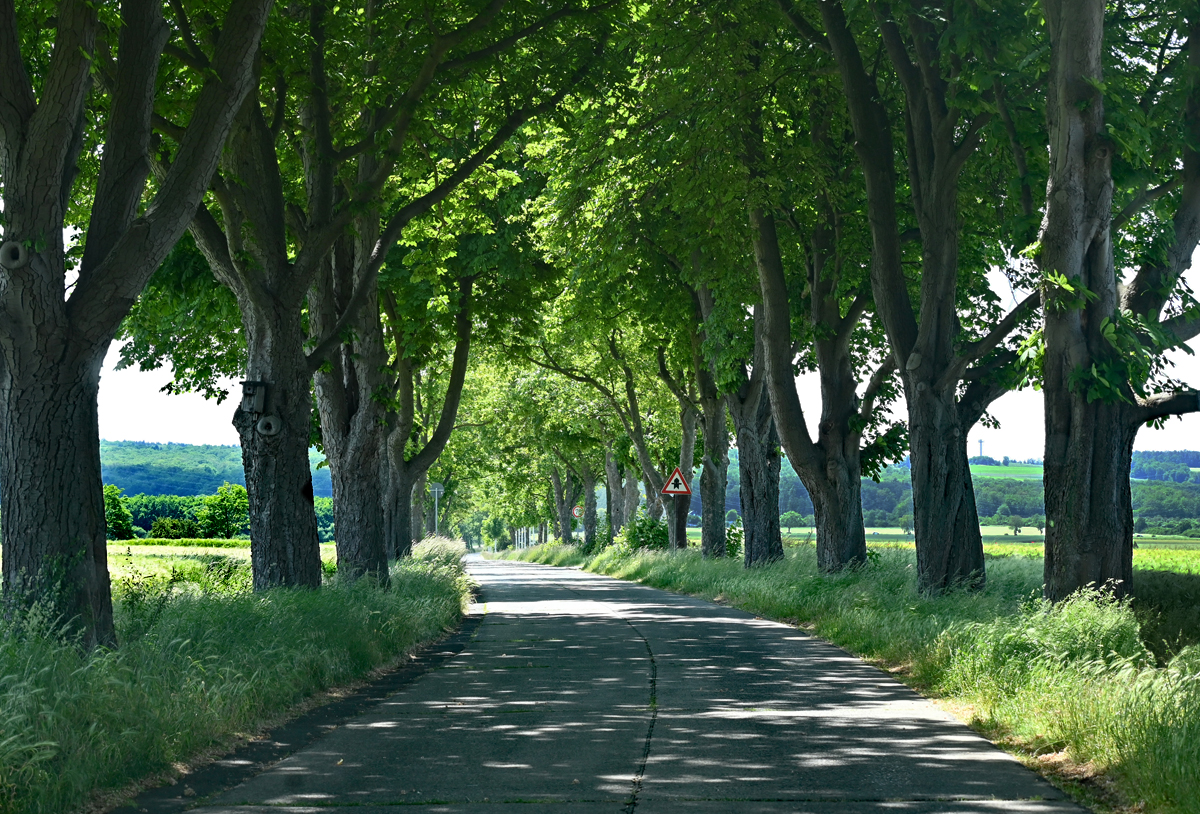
{"x":55,"y":549}
{"x":758,"y":465}
{"x":564,"y":490}
{"x":589,"y":507}
{"x":284,"y":547}
{"x":352,"y":416}
{"x":680,"y":505}
{"x":633,"y":495}
{"x":714,"y":479}
{"x":946,"y":521}
{"x":1089,"y":439}
{"x":614,"y":494}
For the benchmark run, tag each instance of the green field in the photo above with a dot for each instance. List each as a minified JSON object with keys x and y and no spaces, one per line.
{"x":125,"y":559}
{"x":1180,"y":555}
{"x":1019,"y":471}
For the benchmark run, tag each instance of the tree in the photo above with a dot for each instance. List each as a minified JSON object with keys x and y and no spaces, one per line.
{"x":225,"y":513}
{"x":51,"y":131}
{"x":1016,"y":522}
{"x":1122,"y":222}
{"x":790,"y":520}
{"x":732,"y":516}
{"x":117,"y":519}
{"x":949,"y":378}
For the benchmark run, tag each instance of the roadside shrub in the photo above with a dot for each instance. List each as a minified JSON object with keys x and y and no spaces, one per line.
{"x":440,"y":550}
{"x":643,"y":532}
{"x":993,"y":660}
{"x":735,"y":538}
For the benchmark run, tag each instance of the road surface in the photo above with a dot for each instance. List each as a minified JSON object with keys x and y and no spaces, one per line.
{"x":583,"y":694}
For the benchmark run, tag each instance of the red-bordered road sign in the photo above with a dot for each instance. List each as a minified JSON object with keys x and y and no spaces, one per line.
{"x":577,"y":512}
{"x":677,"y":484}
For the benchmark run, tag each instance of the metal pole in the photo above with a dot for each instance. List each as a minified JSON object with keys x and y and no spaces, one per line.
{"x":435,"y":512}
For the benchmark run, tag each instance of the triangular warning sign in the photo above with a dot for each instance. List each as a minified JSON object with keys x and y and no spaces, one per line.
{"x":676,"y":484}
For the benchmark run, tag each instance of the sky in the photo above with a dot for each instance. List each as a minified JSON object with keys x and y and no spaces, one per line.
{"x":133,"y":408}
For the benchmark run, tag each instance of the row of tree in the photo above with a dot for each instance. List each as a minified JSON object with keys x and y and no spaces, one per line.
{"x":592,"y":241}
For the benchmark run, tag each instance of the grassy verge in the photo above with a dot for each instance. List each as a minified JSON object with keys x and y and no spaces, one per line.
{"x":201,"y":660}
{"x":1075,"y":681}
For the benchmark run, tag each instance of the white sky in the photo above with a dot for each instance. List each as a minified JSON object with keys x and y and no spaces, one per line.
{"x":133,"y":408}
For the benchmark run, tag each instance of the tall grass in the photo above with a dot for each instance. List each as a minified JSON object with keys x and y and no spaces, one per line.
{"x":1075,"y":677}
{"x":201,"y":659}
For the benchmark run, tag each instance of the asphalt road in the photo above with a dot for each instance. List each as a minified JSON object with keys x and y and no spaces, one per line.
{"x":582,"y":694}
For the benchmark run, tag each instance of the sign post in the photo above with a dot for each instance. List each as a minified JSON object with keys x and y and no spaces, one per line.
{"x":677,"y":486}
{"x":438,"y":490}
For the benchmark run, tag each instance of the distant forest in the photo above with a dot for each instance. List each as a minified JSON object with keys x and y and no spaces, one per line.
{"x":145,"y":468}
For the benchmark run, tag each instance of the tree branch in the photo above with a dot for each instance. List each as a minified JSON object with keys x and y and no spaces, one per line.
{"x":1162,"y":405}
{"x":977,"y":350}
{"x":878,"y":379}
{"x":803,"y":26}
{"x":1142,"y":199}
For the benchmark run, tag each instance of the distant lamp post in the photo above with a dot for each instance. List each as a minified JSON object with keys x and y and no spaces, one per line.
{"x":438,"y":490}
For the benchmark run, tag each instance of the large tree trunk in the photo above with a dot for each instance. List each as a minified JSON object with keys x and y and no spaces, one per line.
{"x":714,"y":478}
{"x":352,"y":417}
{"x":633,"y":495}
{"x":419,"y":503}
{"x":1090,"y":435}
{"x":1089,"y":532}
{"x":563,"y":503}
{"x":759,"y":464}
{"x":945,"y":521}
{"x":284,"y":547}
{"x":51,"y":492}
{"x":949,"y":549}
{"x":614,"y":498}
{"x":589,"y":507}
{"x":680,"y":505}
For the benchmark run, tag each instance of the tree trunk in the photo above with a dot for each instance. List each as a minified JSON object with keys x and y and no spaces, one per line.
{"x":633,"y":495}
{"x":418,"y":501}
{"x":945,"y":521}
{"x":679,"y":506}
{"x":654,"y":502}
{"x":714,"y":479}
{"x":562,"y":504}
{"x":284,"y":547}
{"x":1089,"y":534}
{"x":589,"y":507}
{"x":398,"y":505}
{"x":352,"y":419}
{"x":52,"y":495}
{"x":614,"y":496}
{"x":759,"y":464}
{"x":1089,"y":527}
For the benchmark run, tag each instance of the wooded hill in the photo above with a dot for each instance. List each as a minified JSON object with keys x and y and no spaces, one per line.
{"x":147,"y":468}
